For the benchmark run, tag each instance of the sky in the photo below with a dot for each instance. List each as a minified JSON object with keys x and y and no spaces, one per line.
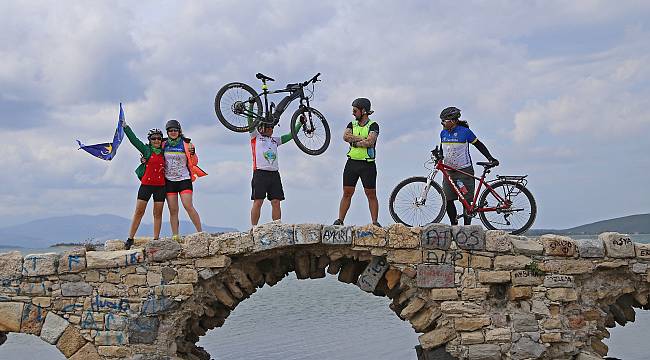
{"x":556,"y":90}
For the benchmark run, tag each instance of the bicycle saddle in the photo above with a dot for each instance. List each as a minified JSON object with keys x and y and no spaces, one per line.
{"x":264,"y":77}
{"x":295,"y":86}
{"x":487,"y":164}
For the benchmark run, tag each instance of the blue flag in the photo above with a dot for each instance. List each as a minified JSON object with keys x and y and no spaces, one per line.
{"x":107,"y":151}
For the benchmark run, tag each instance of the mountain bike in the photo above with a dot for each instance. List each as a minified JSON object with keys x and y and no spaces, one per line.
{"x":505,"y":204}
{"x":236,"y":104}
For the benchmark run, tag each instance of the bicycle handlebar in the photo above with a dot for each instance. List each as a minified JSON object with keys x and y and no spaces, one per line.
{"x":314,"y":79}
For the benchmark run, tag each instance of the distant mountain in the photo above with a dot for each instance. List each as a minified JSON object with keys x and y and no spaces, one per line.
{"x":633,"y":224}
{"x":79,"y":228}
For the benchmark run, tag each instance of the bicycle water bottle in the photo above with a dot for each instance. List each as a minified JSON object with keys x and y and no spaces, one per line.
{"x":461,"y":187}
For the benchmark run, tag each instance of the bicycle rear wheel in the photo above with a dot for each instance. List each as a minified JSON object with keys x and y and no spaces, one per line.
{"x":234,"y":108}
{"x":313,"y":137}
{"x":514,"y":218}
{"x":405,"y":209}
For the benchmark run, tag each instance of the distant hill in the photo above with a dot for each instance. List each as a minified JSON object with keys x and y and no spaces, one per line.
{"x":633,"y":224}
{"x":79,"y":228}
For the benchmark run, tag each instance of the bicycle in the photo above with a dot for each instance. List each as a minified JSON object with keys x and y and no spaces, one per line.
{"x":245,"y":104}
{"x":505,"y":204}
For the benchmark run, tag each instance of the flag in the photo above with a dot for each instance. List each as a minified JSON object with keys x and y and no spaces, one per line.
{"x":107,"y":151}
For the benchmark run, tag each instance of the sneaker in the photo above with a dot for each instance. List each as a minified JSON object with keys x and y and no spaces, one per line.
{"x":128,"y":244}
{"x":377,"y":224}
{"x":338,"y":222}
{"x":176,"y":238}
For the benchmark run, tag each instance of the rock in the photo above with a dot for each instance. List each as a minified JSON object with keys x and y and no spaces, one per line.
{"x":524,"y":246}
{"x":405,"y":256}
{"x":196,"y":245}
{"x":437,"y":337}
{"x":558,"y":245}
{"x":424,"y":318}
{"x":642,"y":251}
{"x":76,"y":289}
{"x":498,"y":335}
{"x":370,"y":277}
{"x":187,"y":276}
{"x":11,"y":265}
{"x":40,"y":264}
{"x":72,"y":261}
{"x":70,"y":341}
{"x":471,"y":323}
{"x":10,"y":316}
{"x":413,"y":307}
{"x":511,"y":262}
{"x":114,"y":245}
{"x":484,"y":352}
{"x":110,"y":338}
{"x":215,"y":261}
{"x":617,"y":245}
{"x":159,"y":305}
{"x":53,"y":328}
{"x":369,"y":235}
{"x":562,"y":294}
{"x":526,"y":348}
{"x":435,"y":276}
{"x":143,"y":330}
{"x":113,"y":259}
{"x":590,"y":248}
{"x":443,"y":294}
{"x":436,"y":236}
{"x":337,"y":235}
{"x":524,"y":323}
{"x":554,"y":281}
{"x":161,"y":250}
{"x":520,"y":293}
{"x":479,"y":293}
{"x":232,"y":243}
{"x":639,"y":268}
{"x":461,"y":308}
{"x":32,"y":319}
{"x":115,"y":322}
{"x":474,"y":337}
{"x":494,"y":277}
{"x":87,"y":352}
{"x":307,"y":233}
{"x":272,"y":235}
{"x":469,"y":237}
{"x":569,"y":267}
{"x":525,"y":277}
{"x":401,"y":236}
{"x":497,"y":241}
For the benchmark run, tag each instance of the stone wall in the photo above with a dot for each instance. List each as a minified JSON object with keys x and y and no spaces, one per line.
{"x":474,"y":294}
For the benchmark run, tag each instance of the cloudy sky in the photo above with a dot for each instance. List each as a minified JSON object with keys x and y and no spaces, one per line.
{"x":556,"y":90}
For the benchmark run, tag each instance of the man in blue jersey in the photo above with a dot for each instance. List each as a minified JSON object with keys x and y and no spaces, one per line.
{"x":455,"y":138}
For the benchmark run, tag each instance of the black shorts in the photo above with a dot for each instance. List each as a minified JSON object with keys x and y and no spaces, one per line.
{"x":355,"y":169}
{"x":266,"y":184}
{"x":467,"y":180}
{"x":175,"y":187}
{"x":146,"y":191}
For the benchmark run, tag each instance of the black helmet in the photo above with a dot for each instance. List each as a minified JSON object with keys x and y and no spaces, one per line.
{"x":450,"y":113}
{"x":173,"y":124}
{"x":153,"y":132}
{"x":362,"y":104}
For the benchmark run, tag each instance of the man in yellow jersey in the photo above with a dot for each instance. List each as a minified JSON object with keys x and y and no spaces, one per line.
{"x":361,"y":134}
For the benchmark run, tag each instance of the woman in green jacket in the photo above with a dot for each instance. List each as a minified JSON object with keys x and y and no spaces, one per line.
{"x":152,"y":177}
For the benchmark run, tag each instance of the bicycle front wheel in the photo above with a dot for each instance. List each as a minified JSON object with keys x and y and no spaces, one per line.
{"x":515,"y":211}
{"x":407,"y":207}
{"x":237,"y":103}
{"x":313,"y":137}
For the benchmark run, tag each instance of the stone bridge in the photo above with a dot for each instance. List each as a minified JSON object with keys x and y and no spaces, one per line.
{"x":472,"y":294}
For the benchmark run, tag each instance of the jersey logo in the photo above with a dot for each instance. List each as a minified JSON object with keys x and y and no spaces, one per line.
{"x":270,"y":156}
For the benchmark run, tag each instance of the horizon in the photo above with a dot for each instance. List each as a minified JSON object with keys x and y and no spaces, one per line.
{"x":557,"y":91}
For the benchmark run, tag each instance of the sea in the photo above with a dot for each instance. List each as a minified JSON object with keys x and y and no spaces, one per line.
{"x":320,"y":319}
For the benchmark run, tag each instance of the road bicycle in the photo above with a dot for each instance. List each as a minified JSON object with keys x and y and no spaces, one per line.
{"x":505,"y":203}
{"x":240,"y":109}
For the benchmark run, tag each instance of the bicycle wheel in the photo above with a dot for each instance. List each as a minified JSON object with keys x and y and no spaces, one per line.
{"x":233,"y":107}
{"x":405,"y":209}
{"x":515,"y":218}
{"x":313,"y":137}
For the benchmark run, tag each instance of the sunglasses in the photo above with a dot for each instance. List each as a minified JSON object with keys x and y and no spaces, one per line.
{"x":155,"y":138}
{"x":173,"y":130}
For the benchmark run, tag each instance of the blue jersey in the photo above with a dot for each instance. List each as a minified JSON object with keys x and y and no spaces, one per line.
{"x":455,"y":146}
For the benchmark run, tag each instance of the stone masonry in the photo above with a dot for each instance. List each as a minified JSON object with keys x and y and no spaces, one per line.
{"x":471,"y":293}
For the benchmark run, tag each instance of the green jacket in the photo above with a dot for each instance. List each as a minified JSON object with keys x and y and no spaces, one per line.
{"x":145,"y":149}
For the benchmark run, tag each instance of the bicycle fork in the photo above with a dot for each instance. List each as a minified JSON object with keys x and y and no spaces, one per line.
{"x":422,"y":199}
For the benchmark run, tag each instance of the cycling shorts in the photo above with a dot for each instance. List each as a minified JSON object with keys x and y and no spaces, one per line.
{"x":266,"y":184}
{"x":355,"y":169}
{"x":157,"y":191}
{"x":182,"y":186}
{"x":467,"y":180}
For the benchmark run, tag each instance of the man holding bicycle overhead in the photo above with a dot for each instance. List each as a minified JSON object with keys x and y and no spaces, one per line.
{"x":455,"y":138}
{"x":361,"y":134}
{"x":266,"y":180}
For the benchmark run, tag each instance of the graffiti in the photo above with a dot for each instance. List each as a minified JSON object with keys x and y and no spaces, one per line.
{"x":436,"y":238}
{"x":472,"y":240}
{"x":88,"y":321}
{"x":370,"y":277}
{"x":435,"y":276}
{"x":644,"y":252}
{"x":561,"y":246}
{"x":73,"y":259}
{"x":362,"y":234}
{"x":158,"y":305}
{"x":72,"y":307}
{"x":622,"y":241}
{"x":132,"y":259}
{"x":443,"y":257}
{"x":336,"y":235}
{"x":28,"y":310}
{"x":98,"y":303}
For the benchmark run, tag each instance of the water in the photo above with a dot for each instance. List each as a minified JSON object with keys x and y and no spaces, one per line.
{"x":321,"y":319}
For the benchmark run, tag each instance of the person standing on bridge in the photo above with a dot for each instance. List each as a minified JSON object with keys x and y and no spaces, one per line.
{"x":151,"y":173}
{"x":181,"y":170}
{"x":361,"y":134}
{"x":455,"y":138}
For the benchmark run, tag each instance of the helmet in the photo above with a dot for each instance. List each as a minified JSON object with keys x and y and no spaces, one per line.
{"x":173,"y":124}
{"x":362,"y":104}
{"x":450,"y":113}
{"x":153,"y":132}
{"x":261,"y":127}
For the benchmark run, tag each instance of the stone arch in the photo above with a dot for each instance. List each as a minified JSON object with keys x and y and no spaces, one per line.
{"x":215,"y":298}
{"x":50,"y":328}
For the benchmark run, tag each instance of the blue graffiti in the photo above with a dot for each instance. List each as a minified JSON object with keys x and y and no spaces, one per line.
{"x":73,"y":259}
{"x":99,"y":303}
{"x":71,"y":307}
{"x":361,"y":234}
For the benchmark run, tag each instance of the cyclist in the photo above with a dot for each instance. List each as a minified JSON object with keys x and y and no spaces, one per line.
{"x":455,"y":138}
{"x":152,"y":180}
{"x":361,"y":134}
{"x":180,"y":171}
{"x":266,"y":181}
